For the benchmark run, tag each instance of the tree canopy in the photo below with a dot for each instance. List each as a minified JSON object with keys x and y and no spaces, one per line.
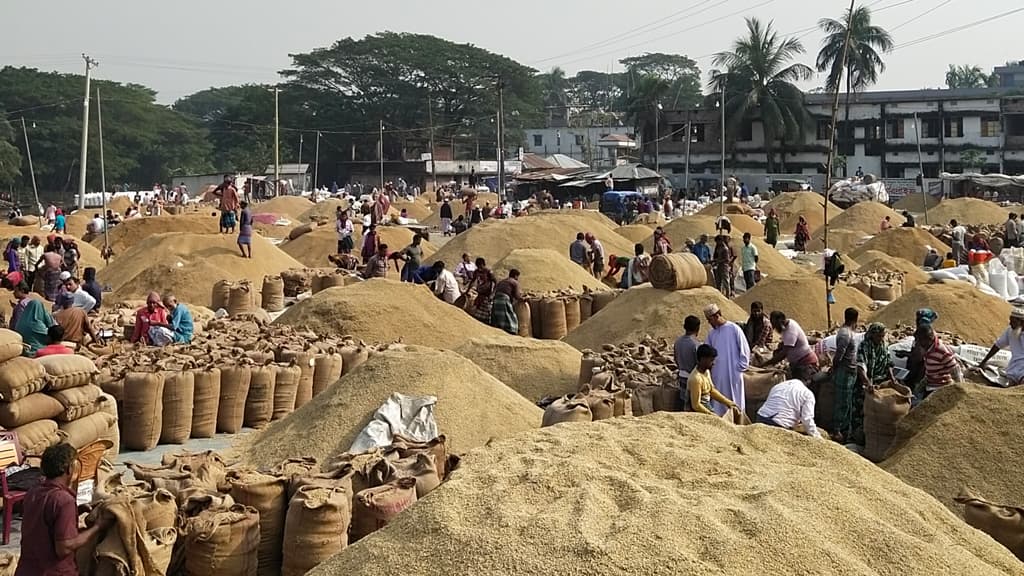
{"x":10,"y":157}
{"x":968,"y":76}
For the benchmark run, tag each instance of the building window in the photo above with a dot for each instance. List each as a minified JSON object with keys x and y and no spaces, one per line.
{"x":930,"y":128}
{"x":746,"y":132}
{"x":538,"y":140}
{"x":678,"y":132}
{"x":990,"y":127}
{"x":824,"y":129}
{"x":699,"y":135}
{"x":954,"y":127}
{"x":579,"y":139}
{"x":894,"y":129}
{"x":873,"y":132}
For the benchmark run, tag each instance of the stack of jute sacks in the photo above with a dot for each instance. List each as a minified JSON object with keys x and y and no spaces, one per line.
{"x":880,"y":285}
{"x":551,"y":316}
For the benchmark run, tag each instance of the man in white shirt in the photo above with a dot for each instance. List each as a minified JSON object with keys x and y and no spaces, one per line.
{"x":83,"y":299}
{"x":788,"y":404}
{"x":465,"y":269}
{"x":793,"y":347}
{"x":748,"y":261}
{"x":446,"y":287}
{"x":959,"y":246}
{"x":1012,"y":338}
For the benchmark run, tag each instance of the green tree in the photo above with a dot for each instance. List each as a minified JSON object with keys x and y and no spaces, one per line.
{"x":554,"y":92}
{"x":680,"y":72}
{"x":864,"y":61}
{"x":760,"y":83}
{"x":239,"y":120}
{"x":969,"y":77}
{"x":972,"y":160}
{"x":10,"y":157}
{"x":644,"y":104}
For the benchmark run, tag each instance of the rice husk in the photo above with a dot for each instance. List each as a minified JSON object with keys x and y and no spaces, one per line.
{"x":291,"y":207}
{"x":671,"y":494}
{"x":534,"y":368}
{"x":153,"y":264}
{"x":791,"y":205}
{"x":968,"y":211}
{"x":312,"y":249}
{"x":382,"y":310}
{"x":134,"y":230}
{"x":802,"y":298}
{"x":907,"y":243}
{"x":644,"y":310}
{"x":965,"y":419}
{"x":472,"y":408}
{"x":874,"y":261}
{"x":547,"y":271}
{"x":963,"y":310}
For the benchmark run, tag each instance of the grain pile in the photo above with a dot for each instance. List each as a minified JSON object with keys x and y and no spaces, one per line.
{"x":383,"y":310}
{"x":863,"y":217}
{"x":324,"y":211}
{"x":874,"y":261}
{"x":907,"y":243}
{"x":769,"y":260}
{"x":810,"y":205}
{"x":670,"y":494}
{"x":645,"y":310}
{"x":802,"y":298}
{"x":715,"y":208}
{"x":636,"y":233}
{"x":313,"y":248}
{"x":679,"y":229}
{"x":842,"y":240}
{"x":131,"y":232}
{"x":534,"y":368}
{"x":968,"y":211}
{"x":291,"y":207}
{"x":963,"y":310}
{"x":472,"y":406}
{"x":546,"y":271}
{"x":915,"y":203}
{"x":963,"y":436}
{"x":189,"y":265}
{"x":416,"y":210}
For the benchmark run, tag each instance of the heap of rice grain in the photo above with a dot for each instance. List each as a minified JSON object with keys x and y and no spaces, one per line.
{"x":791,"y":205}
{"x":679,"y":229}
{"x":802,"y":298}
{"x":968,"y":211}
{"x":418,"y":211}
{"x":842,"y":240}
{"x":907,"y":243}
{"x":383,"y":310}
{"x":865,"y":217}
{"x":324,"y":211}
{"x":472,"y":407}
{"x":636,"y":233}
{"x":313,"y":248}
{"x":915,"y":203}
{"x":963,"y":310}
{"x":534,"y":368}
{"x":131,"y":232}
{"x":546,"y":271}
{"x":672,"y":494}
{"x":291,"y":207}
{"x":644,"y":310}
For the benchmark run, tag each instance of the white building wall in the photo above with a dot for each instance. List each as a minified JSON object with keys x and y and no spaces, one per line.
{"x":564,"y":141}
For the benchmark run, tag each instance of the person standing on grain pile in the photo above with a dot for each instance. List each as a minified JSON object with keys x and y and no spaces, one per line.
{"x":446,"y":218}
{"x":700,"y":387}
{"x":371,"y":244}
{"x":793,"y":347}
{"x":874,"y":363}
{"x":578,"y":251}
{"x":377,"y":265}
{"x":684,"y":352}
{"x":413,"y":257}
{"x":506,"y":294}
{"x":733,"y":358}
{"x":343,"y":226}
{"x":848,"y":410}
{"x":662,"y":245}
{"x":802,"y":235}
{"x":245,"y":231}
{"x":748,"y":261}
{"x":1011,"y":229}
{"x":771,"y":228}
{"x":758,"y":330}
{"x":228,"y":195}
{"x":484,"y":283}
{"x":959,"y":234}
{"x":789,"y":404}
{"x":596,"y":254}
{"x":722,"y":264}
{"x":1012,"y":338}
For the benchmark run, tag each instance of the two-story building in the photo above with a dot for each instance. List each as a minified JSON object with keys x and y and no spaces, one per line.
{"x":594,"y":146}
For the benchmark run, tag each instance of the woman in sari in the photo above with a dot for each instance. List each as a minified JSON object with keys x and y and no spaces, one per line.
{"x":803,"y":235}
{"x":33,"y":325}
{"x":483,"y":281}
{"x":245,"y":231}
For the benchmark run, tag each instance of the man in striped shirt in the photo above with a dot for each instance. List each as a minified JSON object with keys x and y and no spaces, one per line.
{"x":940,"y":363}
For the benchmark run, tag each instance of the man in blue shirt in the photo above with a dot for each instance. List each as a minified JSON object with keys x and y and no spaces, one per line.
{"x":179,"y":321}
{"x":425,"y":274}
{"x":702,"y":251}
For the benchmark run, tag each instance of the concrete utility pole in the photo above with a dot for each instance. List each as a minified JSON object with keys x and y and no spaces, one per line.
{"x":920,"y":165}
{"x":89,"y":65}
{"x":277,"y":145}
{"x":501,"y":140}
{"x":103,"y":178}
{"x":689,"y":138}
{"x":433,"y":163}
{"x":31,"y":170}
{"x":316,"y":162}
{"x":721,"y":209}
{"x":657,"y":140}
{"x":381,"y":155}
{"x":300,"y":164}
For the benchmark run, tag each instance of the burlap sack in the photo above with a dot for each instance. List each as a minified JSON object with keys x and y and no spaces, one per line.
{"x":306,"y":361}
{"x":240,"y":298}
{"x":644,"y":399}
{"x":77,"y":402}
{"x":1005,"y":524}
{"x":29,"y":409}
{"x":205,"y":402}
{"x":736,"y":416}
{"x":406,"y":447}
{"x":667,"y":398}
{"x":586,"y":307}
{"x":268,"y":495}
{"x":375,"y":507}
{"x":223,"y":542}
{"x":68,"y":370}
{"x":757,"y":383}
{"x":553,"y":321}
{"x":11,"y":345}
{"x":572,"y":313}
{"x":883,"y":410}
{"x":220,"y":295}
{"x":352,"y":357}
{"x":316,"y":528}
{"x":588,"y":362}
{"x":296,"y":281}
{"x":37,"y":436}
{"x":300,"y":230}
{"x":602,"y":300}
{"x":272,"y":294}
{"x":85,"y":431}
{"x":178,"y":400}
{"x":327,"y":370}
{"x":420,"y":466}
{"x":601,"y":403}
{"x":143,"y":410}
{"x":567,"y":409}
{"x":259,"y":404}
{"x":234,"y":388}
{"x":108,"y":405}
{"x":20,"y":377}
{"x":285,"y":390}
{"x":293,"y":469}
{"x":677,"y":271}
{"x":536,"y":312}
{"x":522,"y":309}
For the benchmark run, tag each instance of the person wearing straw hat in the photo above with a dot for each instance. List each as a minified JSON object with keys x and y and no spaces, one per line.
{"x":1013,"y":339}
{"x":733,"y":358}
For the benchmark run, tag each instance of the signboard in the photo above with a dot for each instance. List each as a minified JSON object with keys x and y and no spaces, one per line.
{"x":899,"y":188}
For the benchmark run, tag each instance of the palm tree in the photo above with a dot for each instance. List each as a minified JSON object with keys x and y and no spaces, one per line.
{"x":760,"y":81}
{"x":555,"y":90}
{"x":863,"y":60}
{"x":644,"y":103}
{"x":969,"y":77}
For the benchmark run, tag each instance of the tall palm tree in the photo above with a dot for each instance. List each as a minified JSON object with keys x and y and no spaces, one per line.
{"x":760,"y":79}
{"x":863,"y":59}
{"x":555,"y":91}
{"x":643,"y":104}
{"x":969,"y":77}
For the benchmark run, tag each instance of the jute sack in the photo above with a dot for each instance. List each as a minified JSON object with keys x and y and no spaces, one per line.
{"x":757,"y":383}
{"x":536,"y":330}
{"x":316,"y":528}
{"x":272,"y":293}
{"x":296,"y":281}
{"x":259,"y":404}
{"x":11,"y":344}
{"x":20,"y":377}
{"x":883,"y":410}
{"x":29,"y":409}
{"x":108,"y":405}
{"x":234,"y":387}
{"x":333,"y":279}
{"x":223,"y":542}
{"x":886,"y":292}
{"x":572,"y":313}
{"x":240,"y":299}
{"x":644,"y":398}
{"x":601,"y":403}
{"x":406,"y":447}
{"x":375,"y":507}
{"x":269,"y":496}
{"x":340,"y":478}
{"x":292,"y":469}
{"x":1005,"y":524}
{"x":160,"y":543}
{"x":221,"y":293}
{"x":586,"y":307}
{"x":300,"y":230}
{"x":68,"y":370}
{"x":602,"y":300}
{"x":667,"y":398}
{"x":143,"y":410}
{"x":552,"y":321}
{"x":37,"y":436}
{"x":85,"y":431}
{"x":286,"y":387}
{"x":588,"y":362}
{"x":327,"y":369}
{"x":522,"y":309}
{"x":677,"y":271}
{"x":736,"y":416}
{"x":420,"y":466}
{"x":77,"y":402}
{"x":567,"y":409}
{"x":306,"y":361}
{"x":178,"y":401}
{"x":205,"y":401}
{"x":352,"y":357}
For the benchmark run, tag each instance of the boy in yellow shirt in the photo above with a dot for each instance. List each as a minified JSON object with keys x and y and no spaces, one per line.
{"x":702,"y":390}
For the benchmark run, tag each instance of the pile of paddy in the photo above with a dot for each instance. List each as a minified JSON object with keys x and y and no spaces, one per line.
{"x":636,"y":233}
{"x":715,"y":208}
{"x":416,"y":210}
{"x":290,"y":207}
{"x":645,"y":310}
{"x":844,"y":241}
{"x":533,"y":368}
{"x":472,"y":407}
{"x":546,"y":271}
{"x":916,"y":203}
{"x":188,"y":265}
{"x":313,"y":248}
{"x":802,"y":298}
{"x":863,"y":217}
{"x":691,"y":227}
{"x":874,"y":261}
{"x":974,"y":316}
{"x":324,"y":211}
{"x":671,"y":494}
{"x":791,"y":205}
{"x":134,"y":230}
{"x":907,"y":243}
{"x":382,"y":310}
{"x":963,"y":436}
{"x":968,"y":211}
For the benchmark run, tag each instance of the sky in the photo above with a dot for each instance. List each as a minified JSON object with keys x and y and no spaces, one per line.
{"x":181,"y":47}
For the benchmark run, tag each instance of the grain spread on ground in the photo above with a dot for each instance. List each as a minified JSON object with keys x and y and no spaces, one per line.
{"x":963,"y":310}
{"x":963,"y":436}
{"x":907,"y":243}
{"x":188,"y":265}
{"x":644,"y":310}
{"x":290,"y":207}
{"x":131,"y":232}
{"x":791,"y":205}
{"x":874,"y":261}
{"x":546,"y":271}
{"x":383,"y":310}
{"x":967,"y":211}
{"x":802,"y":298}
{"x":534,"y":368}
{"x":670,"y":494}
{"x":472,"y":407}
{"x":313,"y":248}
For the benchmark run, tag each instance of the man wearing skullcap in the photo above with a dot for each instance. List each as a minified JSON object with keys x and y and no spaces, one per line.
{"x":1012,"y":339}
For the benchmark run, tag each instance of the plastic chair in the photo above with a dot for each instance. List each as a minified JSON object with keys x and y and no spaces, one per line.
{"x":10,"y":497}
{"x":89,"y":458}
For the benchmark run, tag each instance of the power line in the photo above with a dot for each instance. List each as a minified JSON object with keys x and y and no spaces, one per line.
{"x":919,"y":16}
{"x":960,"y":28}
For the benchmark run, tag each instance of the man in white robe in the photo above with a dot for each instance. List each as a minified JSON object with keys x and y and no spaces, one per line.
{"x":733,"y":358}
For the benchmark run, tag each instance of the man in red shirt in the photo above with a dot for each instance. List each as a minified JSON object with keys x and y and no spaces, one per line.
{"x":49,"y":529}
{"x":150,"y":315}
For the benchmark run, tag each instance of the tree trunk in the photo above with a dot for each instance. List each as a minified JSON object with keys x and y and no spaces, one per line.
{"x":846,"y":123}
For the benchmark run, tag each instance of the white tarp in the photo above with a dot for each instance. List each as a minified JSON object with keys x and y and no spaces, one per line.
{"x":854,"y":190}
{"x":988,"y":180}
{"x":410,"y":416}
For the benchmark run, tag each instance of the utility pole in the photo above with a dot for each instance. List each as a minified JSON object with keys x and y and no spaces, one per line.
{"x":689,"y":137}
{"x":300,"y":164}
{"x":103,"y":179}
{"x":501,"y":140}
{"x":316,"y":162}
{"x":920,"y":166}
{"x":657,"y":140}
{"x":89,"y":65}
{"x":31,"y":170}
{"x":721,"y":210}
{"x":433,"y":164}
{"x":381,"y":150}
{"x":277,"y":144}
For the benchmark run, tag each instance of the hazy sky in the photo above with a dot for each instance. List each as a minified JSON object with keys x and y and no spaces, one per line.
{"x":180,"y":47}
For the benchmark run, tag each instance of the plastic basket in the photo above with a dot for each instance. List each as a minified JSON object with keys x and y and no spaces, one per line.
{"x":973,"y":355}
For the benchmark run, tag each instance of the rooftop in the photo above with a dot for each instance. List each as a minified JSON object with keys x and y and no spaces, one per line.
{"x":925,"y":95}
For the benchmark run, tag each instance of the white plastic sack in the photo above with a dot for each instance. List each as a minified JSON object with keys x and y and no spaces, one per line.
{"x":410,"y":416}
{"x":997,"y":280}
{"x":1012,"y":285}
{"x":986,"y":289}
{"x":942,"y":275}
